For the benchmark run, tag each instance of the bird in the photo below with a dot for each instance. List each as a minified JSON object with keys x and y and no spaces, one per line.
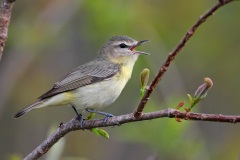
{"x":95,"y":84}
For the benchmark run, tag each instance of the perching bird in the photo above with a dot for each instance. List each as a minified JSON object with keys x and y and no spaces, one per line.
{"x":95,"y":84}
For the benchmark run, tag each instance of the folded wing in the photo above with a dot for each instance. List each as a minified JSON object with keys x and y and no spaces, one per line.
{"x":89,"y":73}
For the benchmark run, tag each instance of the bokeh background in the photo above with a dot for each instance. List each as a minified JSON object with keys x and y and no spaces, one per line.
{"x":47,"y":39}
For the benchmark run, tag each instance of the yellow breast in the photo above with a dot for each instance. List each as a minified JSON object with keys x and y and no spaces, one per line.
{"x":125,"y":74}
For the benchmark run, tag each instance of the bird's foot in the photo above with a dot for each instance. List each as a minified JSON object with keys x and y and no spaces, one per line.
{"x":80,"y":119}
{"x":108,"y":115}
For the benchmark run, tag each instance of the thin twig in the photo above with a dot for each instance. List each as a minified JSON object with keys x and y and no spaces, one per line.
{"x":73,"y":125}
{"x":173,"y":54}
{"x":5,"y":16}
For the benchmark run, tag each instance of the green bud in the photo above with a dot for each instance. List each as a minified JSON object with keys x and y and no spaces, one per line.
{"x":100,"y":132}
{"x":144,"y":76}
{"x":94,"y":130}
{"x":103,"y":133}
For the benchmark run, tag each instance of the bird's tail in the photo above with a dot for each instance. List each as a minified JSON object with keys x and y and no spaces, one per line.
{"x":27,"y":109}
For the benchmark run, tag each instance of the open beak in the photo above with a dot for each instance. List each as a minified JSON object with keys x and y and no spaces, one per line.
{"x":138,"y":44}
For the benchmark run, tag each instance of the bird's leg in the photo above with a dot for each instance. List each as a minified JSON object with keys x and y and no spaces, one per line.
{"x":108,"y":115}
{"x":80,"y":117}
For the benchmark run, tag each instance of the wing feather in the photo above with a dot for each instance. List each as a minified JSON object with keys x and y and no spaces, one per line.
{"x":89,"y":73}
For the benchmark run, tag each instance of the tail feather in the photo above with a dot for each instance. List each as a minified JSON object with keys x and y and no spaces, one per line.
{"x":27,"y":109}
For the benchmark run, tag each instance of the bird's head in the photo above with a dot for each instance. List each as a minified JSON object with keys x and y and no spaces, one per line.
{"x":121,"y":49}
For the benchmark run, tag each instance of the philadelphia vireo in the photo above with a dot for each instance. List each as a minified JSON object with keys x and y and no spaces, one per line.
{"x":95,"y":84}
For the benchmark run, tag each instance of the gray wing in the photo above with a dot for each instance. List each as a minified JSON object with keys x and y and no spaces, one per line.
{"x":89,"y":73}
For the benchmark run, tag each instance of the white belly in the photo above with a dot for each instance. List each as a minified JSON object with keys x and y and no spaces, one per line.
{"x":98,"y":95}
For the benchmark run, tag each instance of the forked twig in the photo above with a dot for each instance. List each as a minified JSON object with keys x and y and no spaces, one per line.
{"x":173,"y":54}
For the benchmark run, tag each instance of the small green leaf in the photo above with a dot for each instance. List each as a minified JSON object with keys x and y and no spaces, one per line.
{"x":103,"y":133}
{"x":190,"y":99}
{"x":94,"y":130}
{"x":100,"y":132}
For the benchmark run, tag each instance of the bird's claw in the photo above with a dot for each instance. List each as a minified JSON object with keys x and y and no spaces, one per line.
{"x":107,"y":117}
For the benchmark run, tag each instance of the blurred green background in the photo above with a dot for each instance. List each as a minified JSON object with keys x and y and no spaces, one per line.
{"x":47,"y":39}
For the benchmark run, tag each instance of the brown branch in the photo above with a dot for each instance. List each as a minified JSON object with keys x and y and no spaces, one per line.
{"x":173,"y":54}
{"x":73,"y":125}
{"x":5,"y":16}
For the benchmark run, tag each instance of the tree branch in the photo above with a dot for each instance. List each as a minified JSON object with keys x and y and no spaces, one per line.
{"x":5,"y":16}
{"x":173,"y":54}
{"x":73,"y":125}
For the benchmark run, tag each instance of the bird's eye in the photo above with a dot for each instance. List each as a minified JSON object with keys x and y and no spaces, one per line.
{"x":123,"y":45}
